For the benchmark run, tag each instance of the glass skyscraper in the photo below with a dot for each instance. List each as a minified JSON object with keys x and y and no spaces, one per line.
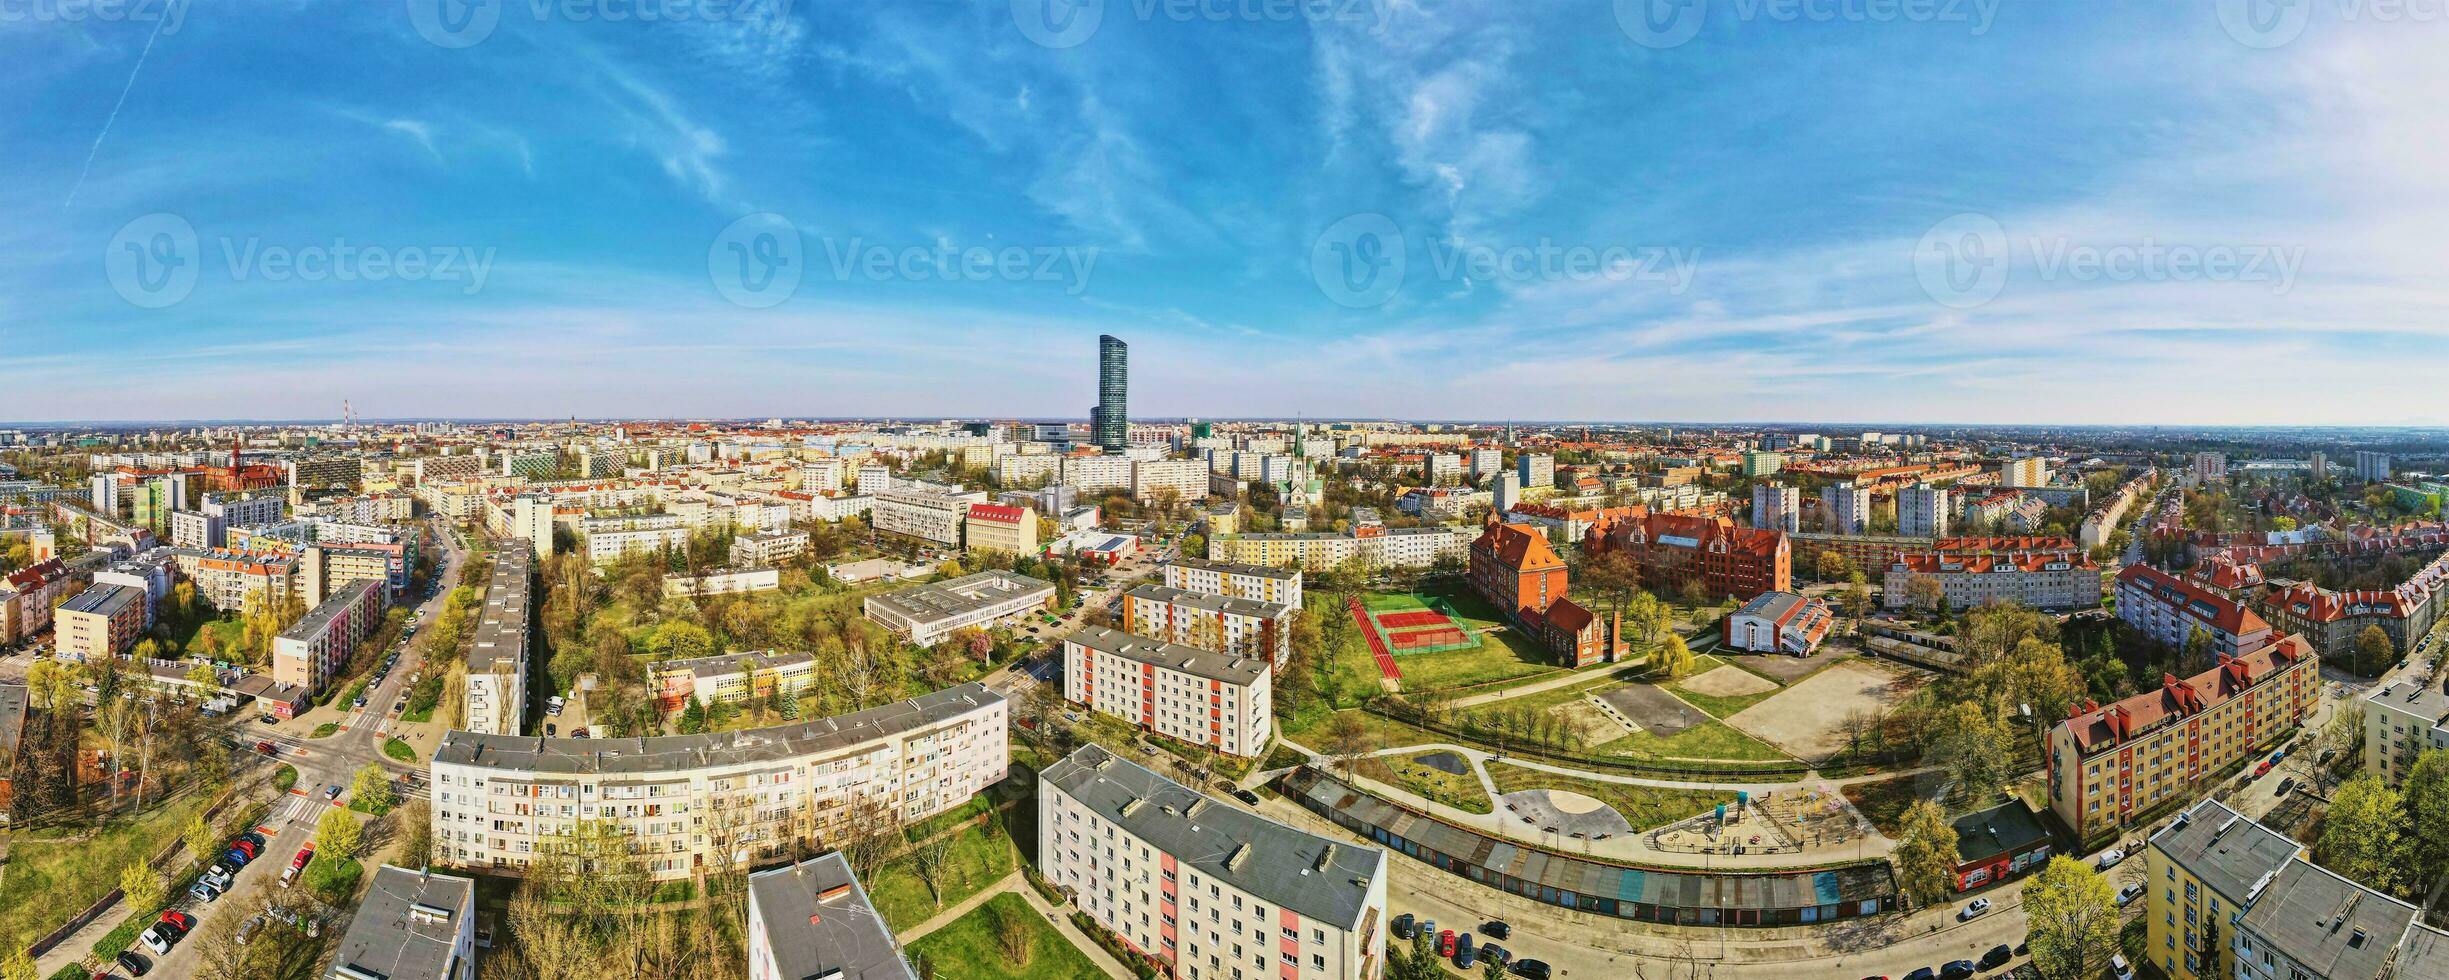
{"x":1110,"y":422}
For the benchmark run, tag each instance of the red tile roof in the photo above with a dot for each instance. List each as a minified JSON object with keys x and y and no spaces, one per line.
{"x":2096,"y":726}
{"x":2227,"y":614}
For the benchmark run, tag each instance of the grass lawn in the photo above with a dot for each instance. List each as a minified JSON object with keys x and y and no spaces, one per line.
{"x":1714,"y":740}
{"x":1647,"y":807}
{"x":977,"y":860}
{"x":1461,"y":792}
{"x":1376,"y":732}
{"x":325,"y":730}
{"x":52,"y":876}
{"x":1720,"y":706}
{"x":968,"y":948}
{"x":399,"y":750}
{"x":1499,"y":657}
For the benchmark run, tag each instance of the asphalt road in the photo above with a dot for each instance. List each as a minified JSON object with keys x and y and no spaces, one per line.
{"x":320,"y":763}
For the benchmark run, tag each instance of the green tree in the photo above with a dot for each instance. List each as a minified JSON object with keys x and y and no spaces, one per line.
{"x":202,"y":674}
{"x":141,"y":888}
{"x":1857,"y":596}
{"x":2426,"y":798}
{"x":203,"y":843}
{"x":338,"y":833}
{"x":1673,"y":658}
{"x":2361,"y":837}
{"x":1968,"y":740}
{"x":20,"y":964}
{"x":2070,"y":915}
{"x":2373,"y":649}
{"x":371,"y":790}
{"x":1925,"y":854}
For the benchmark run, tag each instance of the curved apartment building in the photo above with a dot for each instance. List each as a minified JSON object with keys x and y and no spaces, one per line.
{"x":708,"y":802}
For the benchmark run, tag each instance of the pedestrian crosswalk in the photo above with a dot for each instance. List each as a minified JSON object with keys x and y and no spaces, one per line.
{"x":296,"y":807}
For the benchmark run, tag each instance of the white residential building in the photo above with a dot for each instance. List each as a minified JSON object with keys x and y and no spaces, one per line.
{"x":1217,"y":891}
{"x":688,"y":803}
{"x":1254,"y":582}
{"x":1922,"y":512}
{"x":931,"y":512}
{"x":926,"y":614}
{"x":1778,"y":508}
{"x":1246,"y":627}
{"x":1203,"y":697}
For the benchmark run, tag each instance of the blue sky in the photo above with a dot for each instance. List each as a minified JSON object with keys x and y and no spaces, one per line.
{"x":1959,"y":210}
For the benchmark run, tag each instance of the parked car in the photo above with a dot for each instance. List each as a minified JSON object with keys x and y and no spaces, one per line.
{"x":2119,"y":968}
{"x":2109,"y":858}
{"x":289,"y":876}
{"x":1403,"y":926}
{"x":1972,"y":909}
{"x":1958,"y":970}
{"x":247,"y":929}
{"x":136,"y":965}
{"x":1445,"y":943}
{"x":1924,"y":973}
{"x":2127,"y":895}
{"x":1465,"y":954}
{"x":304,"y":854}
{"x":1494,"y":953}
{"x":1531,"y":969}
{"x":158,"y":938}
{"x":1246,"y":796}
{"x":1996,"y":957}
{"x":204,"y":891}
{"x":1497,"y":929}
{"x":2285,"y":786}
{"x":178,"y":920}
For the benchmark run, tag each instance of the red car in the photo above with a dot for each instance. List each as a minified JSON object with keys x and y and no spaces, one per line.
{"x":246,"y":847}
{"x":1445,"y":943}
{"x":264,"y":747}
{"x":180,"y":921}
{"x":304,"y":854}
{"x":2263,"y":768}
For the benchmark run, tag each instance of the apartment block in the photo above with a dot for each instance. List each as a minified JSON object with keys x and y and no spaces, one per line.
{"x":813,"y":919}
{"x":1777,"y":508}
{"x":311,"y":652}
{"x":1007,"y":528}
{"x":2030,"y":471}
{"x":687,"y":803}
{"x":2035,"y":579}
{"x":413,"y":924}
{"x":1245,"y":627}
{"x":1257,"y":583}
{"x":100,"y":622}
{"x":767,"y":548}
{"x":926,"y":614}
{"x":2170,"y":609}
{"x":1203,"y":697}
{"x":2403,"y":719}
{"x":730,"y":678}
{"x":1212,"y":889}
{"x":1845,"y":509}
{"x":1185,"y":479}
{"x":2200,"y":873}
{"x":1922,"y":511}
{"x":925,"y":511}
{"x":2111,"y":765}
{"x":496,"y":699}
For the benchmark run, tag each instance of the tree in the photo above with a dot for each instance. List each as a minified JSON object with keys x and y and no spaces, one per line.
{"x":1832,"y":565}
{"x":202,"y":674}
{"x":1924,"y":594}
{"x":1968,"y":740}
{"x":203,"y":843}
{"x":2372,"y":649}
{"x":1925,"y":854}
{"x":2070,"y":916}
{"x":338,"y":834}
{"x":1011,"y":931}
{"x":370,"y":789}
{"x":141,"y":888}
{"x":1857,"y":596}
{"x":1673,"y":659}
{"x":20,"y":964}
{"x":1645,"y":617}
{"x":2426,"y":798}
{"x":1347,"y":740}
{"x":2361,"y":837}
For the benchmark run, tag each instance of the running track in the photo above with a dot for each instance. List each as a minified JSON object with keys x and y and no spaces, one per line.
{"x":1377,"y":647}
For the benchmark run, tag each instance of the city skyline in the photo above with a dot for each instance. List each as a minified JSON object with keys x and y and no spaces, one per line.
{"x":573,"y":192}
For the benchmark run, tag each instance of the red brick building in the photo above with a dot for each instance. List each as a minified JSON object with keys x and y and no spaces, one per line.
{"x":1673,"y":549}
{"x":1516,"y":570}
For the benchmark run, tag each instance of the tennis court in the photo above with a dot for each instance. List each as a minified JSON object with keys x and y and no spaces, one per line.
{"x":1409,"y":623}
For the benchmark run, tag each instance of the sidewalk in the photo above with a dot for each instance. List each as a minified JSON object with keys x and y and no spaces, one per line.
{"x":1015,"y":883}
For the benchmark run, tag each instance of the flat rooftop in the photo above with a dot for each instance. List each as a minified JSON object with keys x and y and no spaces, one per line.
{"x":105,"y":600}
{"x":1317,"y":877}
{"x":962,"y":596}
{"x":2229,"y":852}
{"x":674,"y":753}
{"x":820,"y":923}
{"x":1238,"y":568}
{"x":1172,"y":656}
{"x":407,"y":926}
{"x":320,"y":617}
{"x":1212,"y":603}
{"x":501,"y":624}
{"x":2337,"y":928}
